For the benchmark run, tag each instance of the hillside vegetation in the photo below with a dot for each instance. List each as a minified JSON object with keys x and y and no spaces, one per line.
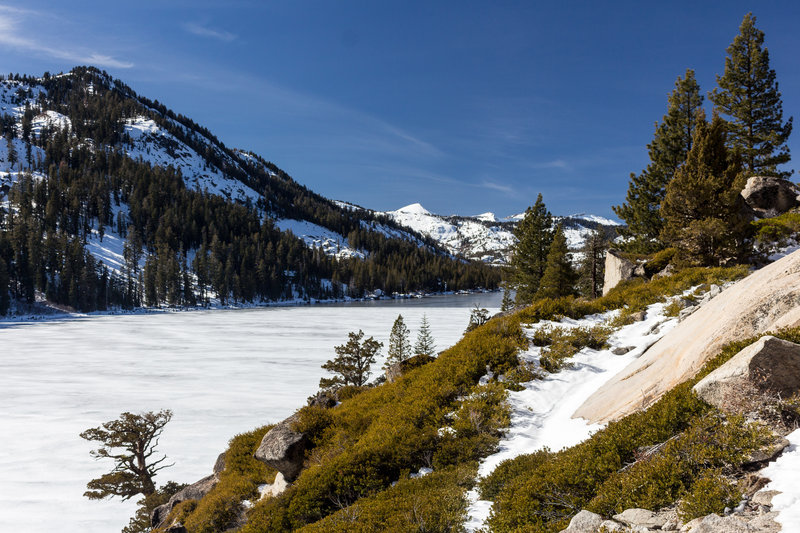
{"x":90,"y":161}
{"x":444,"y":417}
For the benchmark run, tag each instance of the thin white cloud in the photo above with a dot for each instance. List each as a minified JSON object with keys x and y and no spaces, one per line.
{"x":204,"y":31}
{"x":11,"y":35}
{"x":555,"y":163}
{"x":497,"y":187}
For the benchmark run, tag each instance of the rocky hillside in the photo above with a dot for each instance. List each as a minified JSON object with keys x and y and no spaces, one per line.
{"x":565,"y":415}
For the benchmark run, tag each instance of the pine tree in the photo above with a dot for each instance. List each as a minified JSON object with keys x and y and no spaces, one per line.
{"x":425,"y":344}
{"x":352,"y":362}
{"x":702,"y":209}
{"x":534,"y":234}
{"x":668,"y":150}
{"x":4,"y":283}
{"x":399,"y":343}
{"x":593,"y":265}
{"x":559,"y":276}
{"x":507,"y":304}
{"x":748,"y":96}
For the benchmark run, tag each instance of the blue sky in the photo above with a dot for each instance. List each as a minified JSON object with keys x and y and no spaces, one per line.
{"x":462,"y":106}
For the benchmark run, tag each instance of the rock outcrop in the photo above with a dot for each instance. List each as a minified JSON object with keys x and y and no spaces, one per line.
{"x":766,"y":300}
{"x":283,"y":449}
{"x":769,"y":367}
{"x":617,"y":269}
{"x":195,"y":491}
{"x":584,"y":522}
{"x":768,"y":196}
{"x":398,"y":369}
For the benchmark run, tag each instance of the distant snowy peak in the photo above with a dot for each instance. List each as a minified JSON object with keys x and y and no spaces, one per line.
{"x":594,"y":218}
{"x":486,"y":217}
{"x":413,"y":209}
{"x":485,"y":237}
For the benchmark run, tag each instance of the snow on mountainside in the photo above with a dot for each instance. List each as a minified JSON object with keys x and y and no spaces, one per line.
{"x":150,"y":143}
{"x":156,"y":137}
{"x":483,"y":236}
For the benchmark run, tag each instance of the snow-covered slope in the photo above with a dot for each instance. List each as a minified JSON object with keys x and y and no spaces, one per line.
{"x":484,"y":236}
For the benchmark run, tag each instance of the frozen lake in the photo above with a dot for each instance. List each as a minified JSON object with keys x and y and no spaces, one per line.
{"x":221,"y":373}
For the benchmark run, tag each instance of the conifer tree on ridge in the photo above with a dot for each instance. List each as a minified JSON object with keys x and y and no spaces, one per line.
{"x":749,"y":99}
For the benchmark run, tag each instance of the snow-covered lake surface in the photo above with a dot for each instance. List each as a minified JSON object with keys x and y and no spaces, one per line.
{"x":221,"y":372}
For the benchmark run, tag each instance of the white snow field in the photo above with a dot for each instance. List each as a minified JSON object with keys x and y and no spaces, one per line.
{"x":784,"y":474}
{"x":221,"y":372}
{"x":541,"y":414}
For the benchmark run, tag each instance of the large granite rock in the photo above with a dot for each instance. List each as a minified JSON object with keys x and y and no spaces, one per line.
{"x":768,"y":367}
{"x":766,"y":300}
{"x":769,"y":196}
{"x":195,"y":491}
{"x":718,"y":524}
{"x":283,"y":449}
{"x":617,"y":269}
{"x":641,"y":518}
{"x":584,"y":522}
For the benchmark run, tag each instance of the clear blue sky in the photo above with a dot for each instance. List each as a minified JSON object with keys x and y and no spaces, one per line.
{"x":462,"y":106}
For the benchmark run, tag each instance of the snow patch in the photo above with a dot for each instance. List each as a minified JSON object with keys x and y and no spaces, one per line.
{"x":313,"y":235}
{"x":784,"y":473}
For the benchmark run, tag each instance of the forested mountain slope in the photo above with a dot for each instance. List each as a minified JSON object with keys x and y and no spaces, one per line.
{"x":108,"y":198}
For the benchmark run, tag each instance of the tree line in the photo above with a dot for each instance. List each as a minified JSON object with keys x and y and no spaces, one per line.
{"x":688,"y":196}
{"x":182,"y":246}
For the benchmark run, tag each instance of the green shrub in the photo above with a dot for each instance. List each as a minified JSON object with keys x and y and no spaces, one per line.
{"x":221,"y":508}
{"x":777,"y":229}
{"x":435,"y":502}
{"x":711,"y":493}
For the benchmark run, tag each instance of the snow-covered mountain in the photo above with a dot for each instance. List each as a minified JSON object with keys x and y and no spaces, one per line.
{"x":485,"y":237}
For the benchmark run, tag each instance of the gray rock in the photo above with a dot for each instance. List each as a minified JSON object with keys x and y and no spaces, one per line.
{"x":622,"y":350}
{"x":670,"y":525}
{"x":325,"y":399}
{"x":769,"y":366}
{"x":638,"y":316}
{"x":611,"y":526}
{"x":717,"y":524}
{"x":617,"y":269}
{"x":283,"y":449}
{"x":219,"y":464}
{"x":666,"y":271}
{"x":195,"y":491}
{"x":769,"y":196}
{"x":640,"y":517}
{"x":768,"y":453}
{"x":584,"y":522}
{"x":764,"y":497}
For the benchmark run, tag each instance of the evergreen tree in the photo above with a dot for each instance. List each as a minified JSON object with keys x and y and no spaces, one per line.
{"x":592,"y":267}
{"x":534,"y":234}
{"x":352,"y":362}
{"x":425,"y":344}
{"x":399,"y":344}
{"x":559,"y":276}
{"x":131,"y":442}
{"x":702,"y":209}
{"x":4,"y":282}
{"x":507,"y":304}
{"x":668,"y":150}
{"x":748,"y":96}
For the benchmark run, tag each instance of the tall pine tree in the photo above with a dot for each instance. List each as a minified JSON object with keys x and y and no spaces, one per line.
{"x":592,"y":266}
{"x":668,"y":150}
{"x":702,"y":208}
{"x":534,"y":234}
{"x":399,"y":343}
{"x":749,"y":99}
{"x":425,"y":344}
{"x":559,"y":276}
